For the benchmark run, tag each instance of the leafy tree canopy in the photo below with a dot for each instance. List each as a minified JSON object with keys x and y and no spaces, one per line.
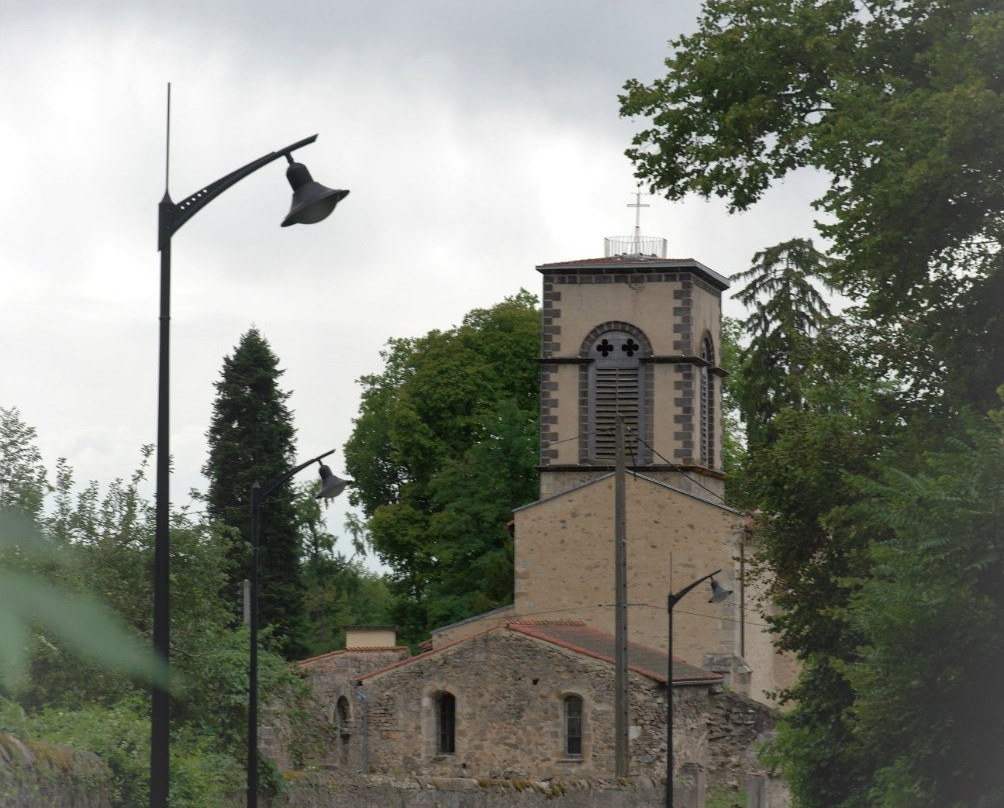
{"x":875,"y":527}
{"x":930,"y":620}
{"x":901,"y":104}
{"x":23,"y":483}
{"x":444,"y":447}
{"x":75,"y":636}
{"x":340,"y":591}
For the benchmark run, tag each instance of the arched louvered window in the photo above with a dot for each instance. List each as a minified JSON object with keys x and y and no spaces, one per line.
{"x":616,"y":390}
{"x":706,"y":405}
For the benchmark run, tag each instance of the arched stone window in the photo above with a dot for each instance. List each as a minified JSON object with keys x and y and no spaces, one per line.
{"x":446,"y":723}
{"x":616,"y":389}
{"x":572,"y":710}
{"x":342,"y":714}
{"x":706,"y":406}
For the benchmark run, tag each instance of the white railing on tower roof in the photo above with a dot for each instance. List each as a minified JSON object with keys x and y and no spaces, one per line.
{"x":642,"y":246}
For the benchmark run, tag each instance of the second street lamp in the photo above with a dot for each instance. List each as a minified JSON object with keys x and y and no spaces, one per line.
{"x":312,"y":202}
{"x":718,"y":594}
{"x":331,"y":487}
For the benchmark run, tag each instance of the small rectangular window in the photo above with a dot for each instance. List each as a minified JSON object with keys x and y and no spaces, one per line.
{"x":573,"y":726}
{"x":446,"y":724}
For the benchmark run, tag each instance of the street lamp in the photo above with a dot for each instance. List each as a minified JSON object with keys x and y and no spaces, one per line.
{"x":311,"y":203}
{"x":331,"y":487}
{"x":718,"y":594}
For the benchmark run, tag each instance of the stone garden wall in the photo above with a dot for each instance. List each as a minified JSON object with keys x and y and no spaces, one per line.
{"x":40,"y":775}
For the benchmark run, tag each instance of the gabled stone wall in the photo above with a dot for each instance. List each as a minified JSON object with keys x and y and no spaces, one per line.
{"x":509,"y":691}
{"x":338,"y":704}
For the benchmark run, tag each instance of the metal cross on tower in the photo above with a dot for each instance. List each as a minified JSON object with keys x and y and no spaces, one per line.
{"x":637,"y":205}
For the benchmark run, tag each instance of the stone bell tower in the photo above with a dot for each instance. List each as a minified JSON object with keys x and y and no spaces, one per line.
{"x":632,"y":337}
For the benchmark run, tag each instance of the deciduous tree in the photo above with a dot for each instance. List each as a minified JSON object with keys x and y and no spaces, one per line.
{"x":902,"y":105}
{"x":443,"y":449}
{"x":22,"y":476}
{"x":340,"y":591}
{"x":930,"y":618}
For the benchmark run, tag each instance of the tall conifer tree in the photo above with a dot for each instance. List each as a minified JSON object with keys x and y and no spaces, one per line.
{"x":251,"y":438}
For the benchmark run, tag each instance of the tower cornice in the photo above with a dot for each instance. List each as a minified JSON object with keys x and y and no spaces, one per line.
{"x":629,"y":265}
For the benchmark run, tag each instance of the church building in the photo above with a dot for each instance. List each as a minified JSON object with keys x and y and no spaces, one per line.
{"x":630,"y":357}
{"x":635,"y":338}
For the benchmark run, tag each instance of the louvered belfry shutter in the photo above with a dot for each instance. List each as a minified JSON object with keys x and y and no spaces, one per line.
{"x":707,"y":405}
{"x":614,"y":391}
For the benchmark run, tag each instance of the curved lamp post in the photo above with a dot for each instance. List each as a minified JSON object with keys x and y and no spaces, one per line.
{"x":311,"y":203}
{"x":331,"y":487}
{"x":718,"y":594}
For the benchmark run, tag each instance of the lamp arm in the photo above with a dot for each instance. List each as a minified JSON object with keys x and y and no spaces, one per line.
{"x":674,"y":599}
{"x":174,"y":215}
{"x":260,"y":492}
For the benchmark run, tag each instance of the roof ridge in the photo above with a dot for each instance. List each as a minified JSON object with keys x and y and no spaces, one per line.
{"x":341,"y":651}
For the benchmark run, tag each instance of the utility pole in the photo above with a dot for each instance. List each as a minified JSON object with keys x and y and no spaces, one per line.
{"x":621,"y":743}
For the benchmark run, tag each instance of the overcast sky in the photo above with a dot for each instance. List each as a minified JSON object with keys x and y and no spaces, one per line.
{"x":478,"y":140}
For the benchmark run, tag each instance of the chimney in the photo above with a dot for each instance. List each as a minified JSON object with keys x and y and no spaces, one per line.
{"x":370,"y":637}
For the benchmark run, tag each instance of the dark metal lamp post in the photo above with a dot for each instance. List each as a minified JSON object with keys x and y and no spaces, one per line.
{"x":331,"y":487}
{"x":718,"y":594}
{"x":311,"y":203}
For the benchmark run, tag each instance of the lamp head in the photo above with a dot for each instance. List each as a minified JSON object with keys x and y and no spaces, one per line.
{"x":312,"y":201}
{"x":331,"y":486}
{"x":718,"y":592}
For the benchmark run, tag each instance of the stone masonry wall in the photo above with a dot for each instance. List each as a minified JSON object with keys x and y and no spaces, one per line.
{"x":325,"y":790}
{"x":564,"y":563}
{"x":338,"y":704}
{"x":34,"y":774}
{"x":509,"y":692}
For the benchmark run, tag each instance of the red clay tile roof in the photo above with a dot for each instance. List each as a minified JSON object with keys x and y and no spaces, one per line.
{"x":577,"y":636}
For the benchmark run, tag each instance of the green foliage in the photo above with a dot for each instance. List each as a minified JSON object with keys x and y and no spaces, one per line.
{"x":901,"y":104}
{"x":815,"y":749}
{"x":340,"y":593}
{"x":339,"y":590}
{"x":202,"y":771}
{"x":251,"y":439}
{"x":812,"y":555}
{"x":76,"y":602}
{"x":103,"y":546}
{"x":881,"y":579}
{"x":787,"y":311}
{"x":22,"y":476}
{"x":212,"y":712}
{"x":77,"y":599}
{"x":443,"y":449}
{"x":733,"y":433}
{"x":77,"y":620}
{"x":721,"y":796}
{"x":877,"y":536}
{"x":932,"y":653}
{"x":119,"y":734}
